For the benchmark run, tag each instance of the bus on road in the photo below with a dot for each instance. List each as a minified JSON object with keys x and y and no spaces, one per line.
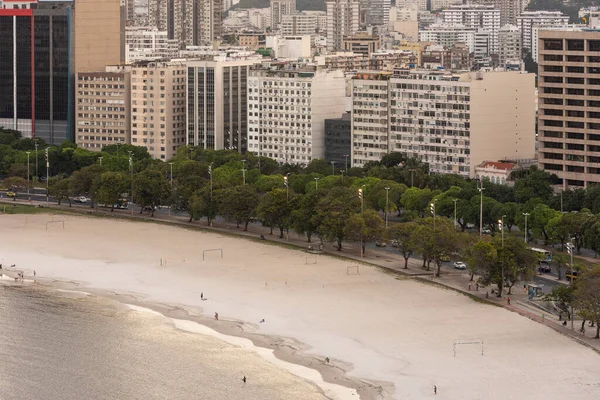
{"x":543,"y":255}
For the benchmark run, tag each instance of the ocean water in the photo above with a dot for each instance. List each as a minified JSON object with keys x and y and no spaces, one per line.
{"x":56,"y":346}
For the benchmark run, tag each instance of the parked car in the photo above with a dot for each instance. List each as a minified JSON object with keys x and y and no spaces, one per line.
{"x":445,"y":258}
{"x":544,"y":267}
{"x":380,"y":244}
{"x":486,"y":231}
{"x":571,"y":275}
{"x":460,"y":265}
{"x":394,"y":243}
{"x":81,"y":199}
{"x":11,"y":193}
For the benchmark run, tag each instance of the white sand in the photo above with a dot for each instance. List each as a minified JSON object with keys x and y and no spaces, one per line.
{"x":391,"y":330}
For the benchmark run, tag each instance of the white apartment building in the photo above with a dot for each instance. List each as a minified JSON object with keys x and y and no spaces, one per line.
{"x":279,"y":8}
{"x":287,"y":108}
{"x":292,"y":47}
{"x":448,"y":35}
{"x":419,"y":5}
{"x":509,"y":39}
{"x":298,"y":24}
{"x":483,"y":44}
{"x":475,"y":16}
{"x":321,"y":19}
{"x":102,"y":114}
{"x":217,"y":103}
{"x":440,"y":4}
{"x":370,"y":120}
{"x":148,"y":43}
{"x":343,"y":17}
{"x":454,"y":122}
{"x":158,"y":106}
{"x":260,"y":18}
{"x":375,"y":12}
{"x":530,"y":19}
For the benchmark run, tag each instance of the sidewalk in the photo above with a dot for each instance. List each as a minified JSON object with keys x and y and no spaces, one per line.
{"x":378,"y":257}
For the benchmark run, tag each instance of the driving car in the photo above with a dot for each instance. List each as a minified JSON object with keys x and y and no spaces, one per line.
{"x":380,"y":244}
{"x":11,"y":194}
{"x":544,"y":267}
{"x":486,"y":231}
{"x":460,"y":265}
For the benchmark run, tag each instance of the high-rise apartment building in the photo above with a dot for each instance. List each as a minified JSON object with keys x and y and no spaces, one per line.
{"x":451,"y":121}
{"x":343,"y":18}
{"x":217,"y":103}
{"x":448,"y":35}
{"x":475,"y":16}
{"x":158,"y":112}
{"x":148,"y":43}
{"x":375,"y":12}
{"x":298,"y":24}
{"x":189,"y":22}
{"x":287,"y":107}
{"x":102,"y":114}
{"x":509,"y":39}
{"x":279,"y":8}
{"x":569,"y":105}
{"x":529,"y":19}
{"x":37,"y":86}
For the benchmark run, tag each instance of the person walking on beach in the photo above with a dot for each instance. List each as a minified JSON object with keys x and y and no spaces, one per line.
{"x":244,"y":379}
{"x":34,"y":273}
{"x":508,"y":300}
{"x":217,"y":316}
{"x":434,"y":389}
{"x":201,"y":296}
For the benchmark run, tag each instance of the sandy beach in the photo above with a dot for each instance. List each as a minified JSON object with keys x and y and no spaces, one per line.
{"x":394,"y":337}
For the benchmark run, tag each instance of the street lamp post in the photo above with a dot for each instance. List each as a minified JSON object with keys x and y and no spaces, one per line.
{"x":432,"y":207}
{"x":333,"y":168}
{"x":387,"y":200}
{"x":481,"y":189}
{"x":244,"y":171}
{"x":100,"y":160}
{"x":455,"y":220}
{"x":526,"y":215}
{"x":342,"y":172}
{"x":210,"y":174}
{"x":287,"y":187}
{"x":131,"y":178}
{"x":170,"y":206}
{"x":346,"y":156}
{"x":412,"y":177}
{"x":28,"y":173}
{"x":47,"y":176}
{"x":501,"y":226}
{"x":570,"y":249}
{"x":316,"y":184}
{"x":37,"y":175}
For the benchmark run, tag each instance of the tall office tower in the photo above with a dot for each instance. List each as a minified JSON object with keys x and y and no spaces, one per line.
{"x":298,"y":24}
{"x":287,"y":108}
{"x":569,"y":105}
{"x":158,"y":106}
{"x":279,"y":8}
{"x":509,"y":39}
{"x":103,"y":108}
{"x":452,"y":121}
{"x":129,"y":6}
{"x":217,"y":104}
{"x":343,"y":17}
{"x":476,"y":16}
{"x":190,"y":22}
{"x":375,"y":12}
{"x":530,"y":19}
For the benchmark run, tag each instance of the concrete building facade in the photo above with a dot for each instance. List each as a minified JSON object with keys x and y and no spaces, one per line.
{"x":509,"y":39}
{"x":569,"y":106}
{"x":148,"y":43}
{"x":287,"y":108}
{"x":103,"y":113}
{"x":454,"y":122}
{"x":217,"y":103}
{"x":343,"y":17}
{"x":475,"y":16}
{"x":338,"y":140}
{"x":448,"y":35}
{"x":530,"y":19}
{"x":279,"y":8}
{"x":298,"y":24}
{"x":362,"y":43}
{"x":158,"y":112}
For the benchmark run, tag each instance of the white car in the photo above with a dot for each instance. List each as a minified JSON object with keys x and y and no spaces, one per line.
{"x":81,"y":199}
{"x":460,"y":265}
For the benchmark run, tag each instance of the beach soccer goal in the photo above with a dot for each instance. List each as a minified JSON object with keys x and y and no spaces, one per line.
{"x":469,"y":342}
{"x":211,"y":250}
{"x":311,"y":259}
{"x":52,"y":223}
{"x":353,"y":270}
{"x":171,"y":261}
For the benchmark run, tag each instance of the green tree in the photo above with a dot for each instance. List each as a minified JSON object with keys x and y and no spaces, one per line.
{"x":107,"y":188}
{"x":303,"y":221}
{"x":562,"y":298}
{"x":274,"y":210}
{"x":60,"y":187}
{"x":365,"y":227}
{"x":332,"y":212}
{"x":535,"y":184}
{"x":403,"y":234}
{"x":150,"y":189}
{"x":587,"y":297}
{"x":481,"y":258}
{"x":517,"y":261}
{"x":415,"y":199}
{"x":561,"y":261}
{"x":18,"y":169}
{"x":238,"y":204}
{"x":82,"y":181}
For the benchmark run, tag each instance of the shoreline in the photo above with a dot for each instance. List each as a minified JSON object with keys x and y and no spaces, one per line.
{"x":394,"y":335}
{"x":285,"y":349}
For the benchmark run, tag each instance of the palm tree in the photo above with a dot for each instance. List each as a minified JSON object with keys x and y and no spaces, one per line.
{"x":561,"y":261}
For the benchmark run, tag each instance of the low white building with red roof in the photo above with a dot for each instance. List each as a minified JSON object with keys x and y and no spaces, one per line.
{"x":496,"y":171}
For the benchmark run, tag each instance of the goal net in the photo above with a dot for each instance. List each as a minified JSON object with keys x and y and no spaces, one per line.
{"x":476,"y":343}
{"x":353,"y":270}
